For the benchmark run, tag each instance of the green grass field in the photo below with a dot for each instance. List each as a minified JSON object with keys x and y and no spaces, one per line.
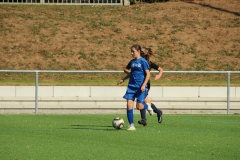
{"x":93,"y":137}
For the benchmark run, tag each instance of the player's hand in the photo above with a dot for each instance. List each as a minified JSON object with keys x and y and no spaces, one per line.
{"x":121,"y":81}
{"x":157,"y":77}
{"x":143,"y":88}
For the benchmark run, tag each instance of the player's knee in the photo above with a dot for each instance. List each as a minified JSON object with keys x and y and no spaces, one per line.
{"x":140,"y":105}
{"x":129,"y":107}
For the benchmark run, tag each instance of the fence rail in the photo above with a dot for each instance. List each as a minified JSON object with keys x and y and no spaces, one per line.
{"x":228,"y":73}
{"x":64,"y":2}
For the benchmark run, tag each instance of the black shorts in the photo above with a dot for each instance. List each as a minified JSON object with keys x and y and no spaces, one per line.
{"x":148,"y":87}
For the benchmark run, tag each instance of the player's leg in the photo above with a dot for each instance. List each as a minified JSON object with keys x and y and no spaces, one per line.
{"x":130,"y":96}
{"x":149,"y":109}
{"x":130,"y":115}
{"x":142,"y":106}
{"x":147,"y":101}
{"x":158,"y":111}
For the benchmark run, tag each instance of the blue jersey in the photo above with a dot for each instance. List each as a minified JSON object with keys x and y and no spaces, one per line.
{"x":138,"y":74}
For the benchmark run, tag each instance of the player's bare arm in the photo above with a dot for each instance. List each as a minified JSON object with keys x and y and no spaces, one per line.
{"x":160,"y":72}
{"x":122,"y":80}
{"x":127,"y":71}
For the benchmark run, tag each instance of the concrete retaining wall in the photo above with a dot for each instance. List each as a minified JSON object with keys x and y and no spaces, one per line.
{"x":108,"y":99}
{"x":111,"y":91}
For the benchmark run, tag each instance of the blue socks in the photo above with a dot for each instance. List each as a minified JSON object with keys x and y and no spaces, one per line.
{"x":130,"y":116}
{"x":145,"y":105}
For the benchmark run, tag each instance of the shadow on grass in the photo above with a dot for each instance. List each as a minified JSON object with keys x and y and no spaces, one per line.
{"x":91,"y":127}
{"x":81,"y":125}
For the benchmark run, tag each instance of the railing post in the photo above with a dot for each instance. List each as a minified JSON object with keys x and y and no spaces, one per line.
{"x":36,"y":93}
{"x":228,"y":92}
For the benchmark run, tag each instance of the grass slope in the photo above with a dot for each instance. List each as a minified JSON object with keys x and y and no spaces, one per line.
{"x":197,"y":35}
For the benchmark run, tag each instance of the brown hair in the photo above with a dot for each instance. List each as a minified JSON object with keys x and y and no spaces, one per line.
{"x":147,"y":53}
{"x":137,"y":47}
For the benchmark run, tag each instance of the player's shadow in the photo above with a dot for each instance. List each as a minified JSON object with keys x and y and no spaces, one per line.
{"x":82,"y":125}
{"x":91,"y":127}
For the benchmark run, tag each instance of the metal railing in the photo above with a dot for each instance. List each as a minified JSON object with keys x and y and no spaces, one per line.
{"x":64,"y":2}
{"x":112,"y":71}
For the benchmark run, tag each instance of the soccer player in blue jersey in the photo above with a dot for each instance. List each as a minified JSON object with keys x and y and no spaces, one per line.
{"x":146,"y":53}
{"x":137,"y":86}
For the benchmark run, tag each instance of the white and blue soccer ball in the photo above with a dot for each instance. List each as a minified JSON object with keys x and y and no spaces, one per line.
{"x":118,"y":123}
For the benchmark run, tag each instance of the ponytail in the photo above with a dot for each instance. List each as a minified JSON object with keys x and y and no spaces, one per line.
{"x":150,"y":51}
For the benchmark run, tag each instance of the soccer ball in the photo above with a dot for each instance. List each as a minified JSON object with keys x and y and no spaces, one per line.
{"x":118,"y":123}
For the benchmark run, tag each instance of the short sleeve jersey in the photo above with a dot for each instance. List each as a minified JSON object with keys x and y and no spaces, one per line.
{"x":152,"y":65}
{"x":138,"y":74}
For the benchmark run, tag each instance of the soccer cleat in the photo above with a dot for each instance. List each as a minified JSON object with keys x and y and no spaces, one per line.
{"x":131,"y":128}
{"x":159,"y":116}
{"x":149,"y":109}
{"x":143,"y":122}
